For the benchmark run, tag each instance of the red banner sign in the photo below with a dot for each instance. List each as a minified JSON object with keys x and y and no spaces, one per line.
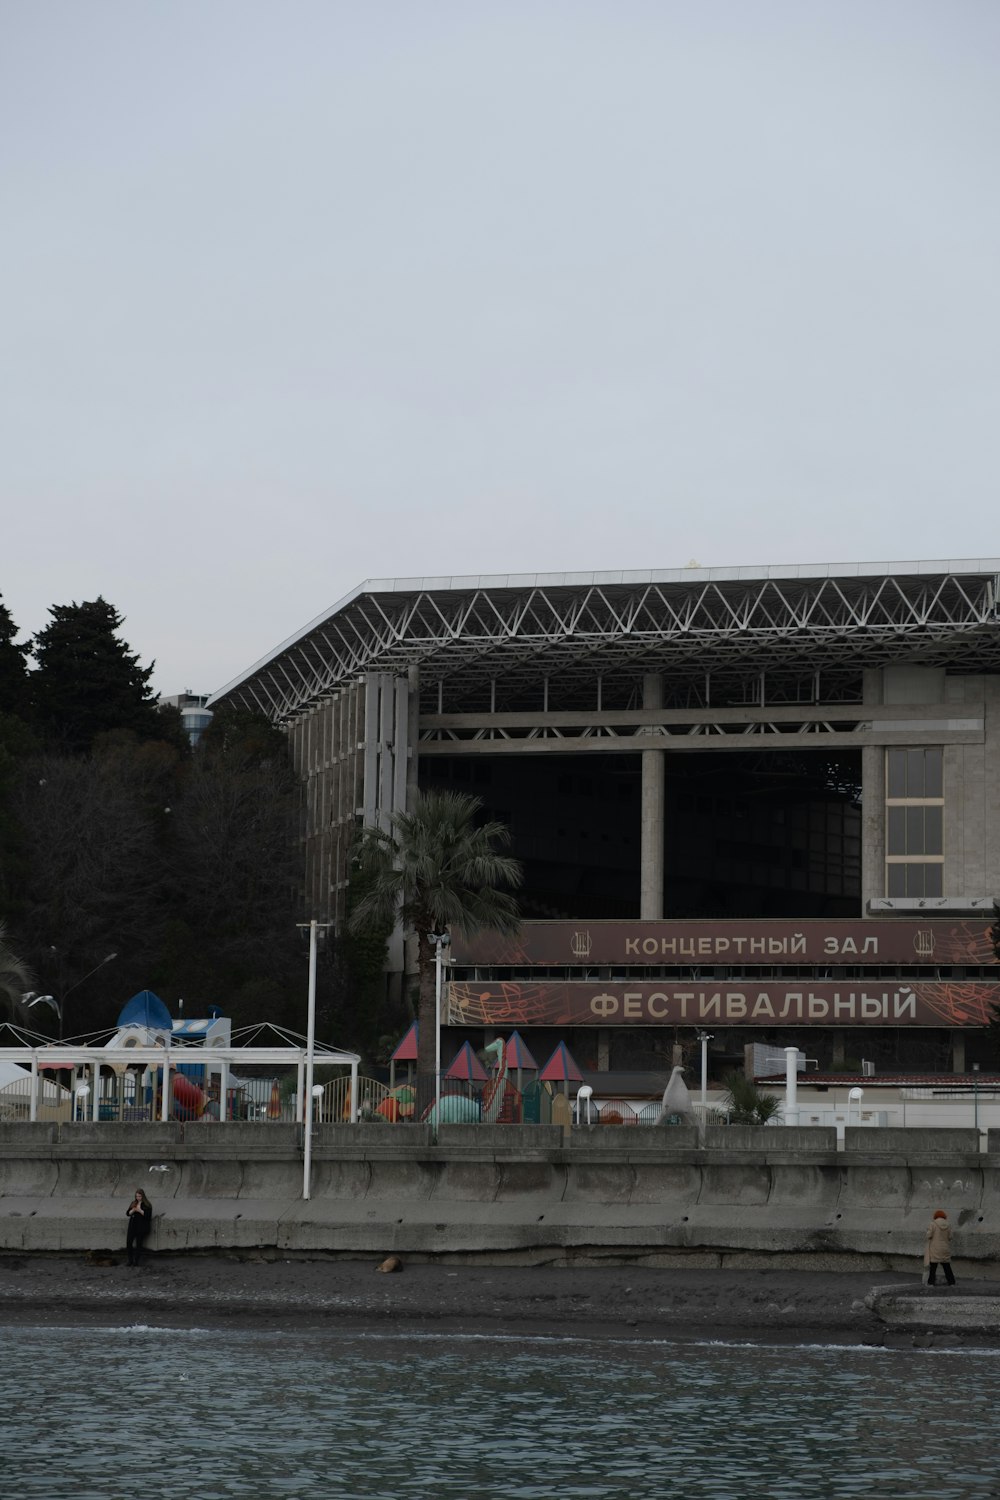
{"x":890,"y":940}
{"x":729,"y":1003}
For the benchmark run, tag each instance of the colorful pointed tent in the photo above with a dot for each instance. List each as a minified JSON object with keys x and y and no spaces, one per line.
{"x":519,"y":1059}
{"x":407,"y":1049}
{"x":561,"y":1068}
{"x":405,"y":1052}
{"x":467,"y":1066}
{"x":518,"y":1055}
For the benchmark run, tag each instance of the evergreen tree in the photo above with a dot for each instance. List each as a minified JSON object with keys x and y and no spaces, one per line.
{"x":234,"y":900}
{"x":244,"y":736}
{"x":88,"y":681}
{"x":13,"y":668}
{"x":16,"y":747}
{"x":92,"y":876}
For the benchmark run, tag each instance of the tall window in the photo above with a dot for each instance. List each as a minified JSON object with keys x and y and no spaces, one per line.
{"x":914,"y":822}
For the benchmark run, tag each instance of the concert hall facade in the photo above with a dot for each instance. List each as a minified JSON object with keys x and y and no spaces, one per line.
{"x":759,"y":801}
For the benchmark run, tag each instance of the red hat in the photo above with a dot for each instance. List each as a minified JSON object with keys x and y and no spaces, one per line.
{"x":939,"y":1213}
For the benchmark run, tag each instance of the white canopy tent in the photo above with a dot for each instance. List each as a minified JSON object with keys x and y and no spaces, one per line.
{"x":87,"y":1062}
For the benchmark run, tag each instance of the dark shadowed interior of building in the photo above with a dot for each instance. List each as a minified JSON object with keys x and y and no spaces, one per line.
{"x":752,"y":834}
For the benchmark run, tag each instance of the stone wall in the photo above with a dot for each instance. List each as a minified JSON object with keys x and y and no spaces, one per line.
{"x":526,"y":1190}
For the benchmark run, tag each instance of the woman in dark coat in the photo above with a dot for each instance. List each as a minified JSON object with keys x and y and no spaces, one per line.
{"x":938,"y":1251}
{"x":140,"y":1216}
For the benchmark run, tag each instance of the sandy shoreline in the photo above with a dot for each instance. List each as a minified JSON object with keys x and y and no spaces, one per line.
{"x":760,"y":1306}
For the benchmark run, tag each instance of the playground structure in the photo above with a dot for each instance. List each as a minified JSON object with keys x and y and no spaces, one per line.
{"x":508,"y":1089}
{"x":153,"y":1068}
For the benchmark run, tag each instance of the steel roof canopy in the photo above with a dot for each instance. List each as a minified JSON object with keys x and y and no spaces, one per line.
{"x":516,"y":629}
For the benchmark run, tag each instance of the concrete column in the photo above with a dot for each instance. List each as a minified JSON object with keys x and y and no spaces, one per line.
{"x":603,"y":1052}
{"x":413,"y":734}
{"x":872,"y":803}
{"x":410,"y":956}
{"x":958,"y":1052}
{"x":651,"y":831}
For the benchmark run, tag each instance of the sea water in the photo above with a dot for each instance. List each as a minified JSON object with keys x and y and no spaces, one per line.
{"x":118,"y":1412}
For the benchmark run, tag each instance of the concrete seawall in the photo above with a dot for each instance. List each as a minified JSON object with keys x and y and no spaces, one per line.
{"x":525,"y":1191}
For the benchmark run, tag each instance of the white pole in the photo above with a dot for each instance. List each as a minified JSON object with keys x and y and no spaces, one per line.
{"x":791,"y":1085}
{"x":438,"y":940}
{"x":704,"y":1038}
{"x":310,"y":1055}
{"x":96,"y":1111}
{"x":354,"y":1093}
{"x":33,"y":1104}
{"x":165,"y":1109}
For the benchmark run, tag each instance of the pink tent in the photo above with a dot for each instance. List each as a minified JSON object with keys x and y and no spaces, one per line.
{"x":519,"y":1059}
{"x":518,"y":1055}
{"x":467,"y":1066}
{"x":561,"y":1068}
{"x":407,"y":1049}
{"x":405,"y":1052}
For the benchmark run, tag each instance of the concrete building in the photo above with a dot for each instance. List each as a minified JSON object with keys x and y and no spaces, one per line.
{"x":765,"y":800}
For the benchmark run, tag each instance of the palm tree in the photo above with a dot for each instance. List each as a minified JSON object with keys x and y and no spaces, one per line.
{"x":437,"y":871}
{"x":15,"y":976}
{"x":748,"y":1104}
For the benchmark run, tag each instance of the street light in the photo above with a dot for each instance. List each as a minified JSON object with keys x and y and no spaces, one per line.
{"x":60,"y":1006}
{"x":704,"y":1038}
{"x":313,"y":927}
{"x":440,"y":941}
{"x":975,"y":1099}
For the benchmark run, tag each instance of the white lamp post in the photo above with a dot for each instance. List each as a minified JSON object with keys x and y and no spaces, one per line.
{"x":791,"y":1085}
{"x":584,"y":1095}
{"x":854,"y":1097}
{"x":440,"y":941}
{"x":60,"y":1005}
{"x":310,"y":1055}
{"x":704,"y":1038}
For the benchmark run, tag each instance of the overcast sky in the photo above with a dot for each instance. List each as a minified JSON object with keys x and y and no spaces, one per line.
{"x":301,"y":293}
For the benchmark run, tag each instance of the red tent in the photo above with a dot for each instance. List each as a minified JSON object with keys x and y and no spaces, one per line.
{"x":407,"y":1049}
{"x":406,"y":1052}
{"x":518,"y":1055}
{"x":467,"y":1066}
{"x":561,"y":1068}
